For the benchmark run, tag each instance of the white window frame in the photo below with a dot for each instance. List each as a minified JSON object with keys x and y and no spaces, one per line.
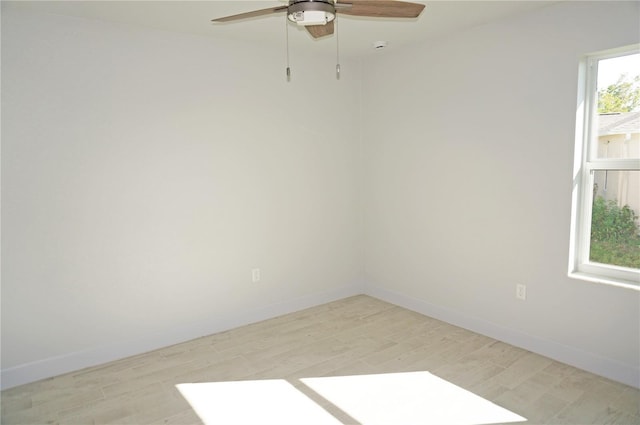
{"x":586,"y":163}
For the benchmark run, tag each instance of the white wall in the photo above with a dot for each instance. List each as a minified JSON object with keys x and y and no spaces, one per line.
{"x":145,"y":173}
{"x":491,"y":111}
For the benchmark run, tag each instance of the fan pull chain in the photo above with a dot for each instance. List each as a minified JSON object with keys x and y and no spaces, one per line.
{"x":286,"y":26}
{"x":335,"y":23}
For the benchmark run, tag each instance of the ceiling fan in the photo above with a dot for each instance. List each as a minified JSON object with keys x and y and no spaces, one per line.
{"x":318,"y":16}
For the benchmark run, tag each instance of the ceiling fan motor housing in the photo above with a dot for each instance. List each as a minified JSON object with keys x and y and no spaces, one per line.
{"x":311,"y":12}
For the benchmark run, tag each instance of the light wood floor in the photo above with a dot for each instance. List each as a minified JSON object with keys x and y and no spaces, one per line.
{"x":357,"y":335}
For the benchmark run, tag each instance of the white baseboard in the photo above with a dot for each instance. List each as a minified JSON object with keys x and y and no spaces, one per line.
{"x":608,"y":368}
{"x":47,"y":368}
{"x":54,"y":366}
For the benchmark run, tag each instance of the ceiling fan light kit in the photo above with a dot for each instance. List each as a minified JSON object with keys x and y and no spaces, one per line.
{"x":306,"y":13}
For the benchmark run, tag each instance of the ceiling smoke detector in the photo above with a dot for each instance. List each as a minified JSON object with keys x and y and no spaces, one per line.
{"x":379,"y":45}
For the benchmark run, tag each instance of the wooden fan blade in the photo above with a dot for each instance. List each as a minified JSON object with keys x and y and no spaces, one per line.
{"x":317,"y":31}
{"x":379,"y":8}
{"x":252,"y":14}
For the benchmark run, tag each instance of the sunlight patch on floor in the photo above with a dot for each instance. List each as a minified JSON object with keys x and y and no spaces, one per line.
{"x":379,"y":399}
{"x":408,"y":398}
{"x":264,"y":402}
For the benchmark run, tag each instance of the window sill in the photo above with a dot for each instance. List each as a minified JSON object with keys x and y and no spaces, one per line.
{"x":620,"y":283}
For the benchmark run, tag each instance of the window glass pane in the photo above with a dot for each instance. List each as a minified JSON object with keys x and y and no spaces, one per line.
{"x":618,"y":118}
{"x":615,"y":237}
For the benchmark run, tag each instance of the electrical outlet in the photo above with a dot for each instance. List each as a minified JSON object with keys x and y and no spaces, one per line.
{"x":521,"y":292}
{"x":255,"y":275}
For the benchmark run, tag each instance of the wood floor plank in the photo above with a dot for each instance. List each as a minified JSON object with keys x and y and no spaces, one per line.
{"x":356,"y":336}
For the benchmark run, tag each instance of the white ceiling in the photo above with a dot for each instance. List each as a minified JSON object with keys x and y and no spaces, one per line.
{"x":356,"y":35}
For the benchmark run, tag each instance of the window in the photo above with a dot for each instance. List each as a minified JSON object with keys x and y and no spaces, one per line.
{"x":605,"y":234}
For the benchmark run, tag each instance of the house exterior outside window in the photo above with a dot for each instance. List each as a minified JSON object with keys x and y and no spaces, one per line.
{"x":619,"y":137}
